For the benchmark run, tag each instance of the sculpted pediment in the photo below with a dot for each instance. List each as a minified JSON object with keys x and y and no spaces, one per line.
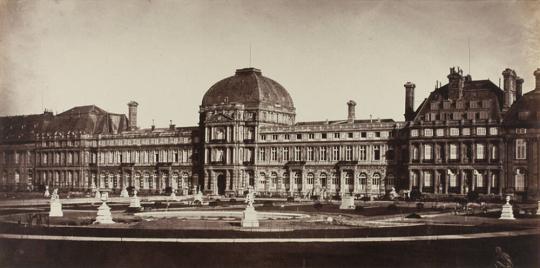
{"x":220,"y":117}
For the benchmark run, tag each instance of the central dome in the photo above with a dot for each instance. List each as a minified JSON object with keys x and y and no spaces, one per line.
{"x":249,"y":87}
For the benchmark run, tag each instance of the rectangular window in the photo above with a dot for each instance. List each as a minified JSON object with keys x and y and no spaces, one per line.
{"x":262,"y":154}
{"x":414,"y":133}
{"x":483,"y":115}
{"x":427,"y":179}
{"x":376,"y":152}
{"x":452,"y":179}
{"x":350,"y":135}
{"x":311,"y":136}
{"x":453,"y":152}
{"x":479,"y":179}
{"x":287,"y":137}
{"x":454,"y":131}
{"x":466,"y":131}
{"x":348,"y":153}
{"x":286,"y":154}
{"x":298,"y":136}
{"x":363,"y":134}
{"x":481,"y":131}
{"x":480,"y":151}
{"x":335,"y":153}
{"x":363,"y":155}
{"x":447,"y":105}
{"x":336,"y":135}
{"x":263,"y":137}
{"x":521,"y":149}
{"x":494,"y":152}
{"x":297,"y":154}
{"x":273,"y":154}
{"x":428,"y":132}
{"x":439,"y":132}
{"x":428,"y":152}
{"x":322,"y":154}
{"x":520,"y":181}
{"x":310,"y":154}
{"x":377,"y":134}
{"x":323,"y":136}
{"x":275,"y":137}
{"x":493,"y":131}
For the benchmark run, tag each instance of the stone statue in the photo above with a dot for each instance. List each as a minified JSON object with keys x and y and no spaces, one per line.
{"x":507,"y":212}
{"x":502,"y":259}
{"x":55,"y":205}
{"x":250,"y":197}
{"x":47,"y":194}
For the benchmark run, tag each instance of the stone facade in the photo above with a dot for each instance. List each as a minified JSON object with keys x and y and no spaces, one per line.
{"x":463,"y":137}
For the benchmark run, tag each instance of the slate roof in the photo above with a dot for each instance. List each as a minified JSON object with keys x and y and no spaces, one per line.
{"x":249,"y":87}
{"x":82,"y":119}
{"x":525,"y":112}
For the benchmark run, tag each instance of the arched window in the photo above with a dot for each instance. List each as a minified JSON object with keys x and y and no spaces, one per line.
{"x":520,"y":180}
{"x":273,"y":178}
{"x":349,"y":178}
{"x":363,"y":179}
{"x":286,"y":179}
{"x":335,"y":179}
{"x":324,"y":179}
{"x":298,"y":177}
{"x":185,"y":180}
{"x":376,"y":179}
{"x":310,"y":178}
{"x":17,"y":177}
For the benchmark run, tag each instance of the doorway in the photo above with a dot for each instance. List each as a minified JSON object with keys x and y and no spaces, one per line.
{"x":221,"y":183}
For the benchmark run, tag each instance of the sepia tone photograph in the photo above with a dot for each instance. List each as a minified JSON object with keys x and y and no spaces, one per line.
{"x":237,"y":133}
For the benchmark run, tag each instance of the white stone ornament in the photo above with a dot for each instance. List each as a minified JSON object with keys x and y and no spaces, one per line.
{"x":249,"y":216}
{"x":104,"y":215}
{"x":124,"y":192}
{"x":507,"y":213}
{"x":135,"y":202}
{"x":47,"y":194}
{"x":55,"y":205}
{"x":347,"y":202}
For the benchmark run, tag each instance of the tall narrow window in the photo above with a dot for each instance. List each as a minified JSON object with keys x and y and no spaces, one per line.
{"x":520,"y":182}
{"x":322,"y":154}
{"x":273,"y":154}
{"x":521,"y":149}
{"x":348,"y":153}
{"x":453,"y":152}
{"x":297,"y":154}
{"x":480,"y":151}
{"x":427,"y":179}
{"x":452,"y":179}
{"x":428,"y":151}
{"x":376,"y":152}
{"x":286,"y":154}
{"x":335,"y":153}
{"x":363,"y":155}
{"x":310,"y":154}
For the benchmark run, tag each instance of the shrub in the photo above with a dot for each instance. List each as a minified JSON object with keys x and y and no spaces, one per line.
{"x":213,"y":203}
{"x":359,"y":208}
{"x":413,"y":216}
{"x":419,"y":205}
{"x":317,"y":206}
{"x":197,"y":203}
{"x":290,"y":199}
{"x":392,"y":207}
{"x":415,"y":194}
{"x":232,"y":201}
{"x":472,"y":196}
{"x":268,"y":204}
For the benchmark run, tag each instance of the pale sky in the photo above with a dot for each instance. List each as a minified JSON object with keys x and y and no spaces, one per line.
{"x":166,"y":54}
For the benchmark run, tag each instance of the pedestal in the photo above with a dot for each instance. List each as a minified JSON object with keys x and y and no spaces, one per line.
{"x":47,"y":194}
{"x":104,"y":215}
{"x":56,"y":209}
{"x":124,"y":192}
{"x":98,"y":195}
{"x":507,"y":213}
{"x":249,"y":218}
{"x":347,"y":202}
{"x":135,"y":202}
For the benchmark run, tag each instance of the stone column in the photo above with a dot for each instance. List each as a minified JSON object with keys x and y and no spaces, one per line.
{"x":461,"y":181}
{"x":421,"y":181}
{"x":227,"y":180}
{"x":473,"y":149}
{"x":304,"y":181}
{"x":489,"y":182}
{"x":410,"y":180}
{"x":356,"y":182}
{"x":421,"y":152}
{"x":446,"y":181}
{"x":473,"y":180}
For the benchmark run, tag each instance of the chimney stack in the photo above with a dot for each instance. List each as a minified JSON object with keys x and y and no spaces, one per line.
{"x":509,"y":86}
{"x":537,"y":76}
{"x":351,"y":113}
{"x":519,"y":87}
{"x":171,"y":125}
{"x":456,"y":82}
{"x":132,"y":114}
{"x":409,"y":100}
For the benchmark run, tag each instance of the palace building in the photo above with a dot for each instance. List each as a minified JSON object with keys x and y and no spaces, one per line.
{"x":468,"y":135}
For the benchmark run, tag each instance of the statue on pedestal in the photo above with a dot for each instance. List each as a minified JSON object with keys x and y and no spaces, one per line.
{"x":55,"y":205}
{"x":135,"y":202}
{"x":347,"y":202}
{"x":249,"y":218}
{"x":124,"y":192}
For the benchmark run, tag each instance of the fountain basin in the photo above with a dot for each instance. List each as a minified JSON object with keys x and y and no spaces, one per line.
{"x":219,"y":215}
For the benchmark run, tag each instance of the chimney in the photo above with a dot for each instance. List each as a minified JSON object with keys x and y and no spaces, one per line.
{"x":351,"y":113}
{"x":171,"y":125}
{"x":132,"y":114}
{"x":409,"y":100}
{"x":519,"y":87}
{"x":456,"y":83}
{"x":509,"y":86}
{"x":537,"y":76}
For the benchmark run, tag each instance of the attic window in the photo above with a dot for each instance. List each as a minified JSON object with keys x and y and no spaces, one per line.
{"x":523,"y":115}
